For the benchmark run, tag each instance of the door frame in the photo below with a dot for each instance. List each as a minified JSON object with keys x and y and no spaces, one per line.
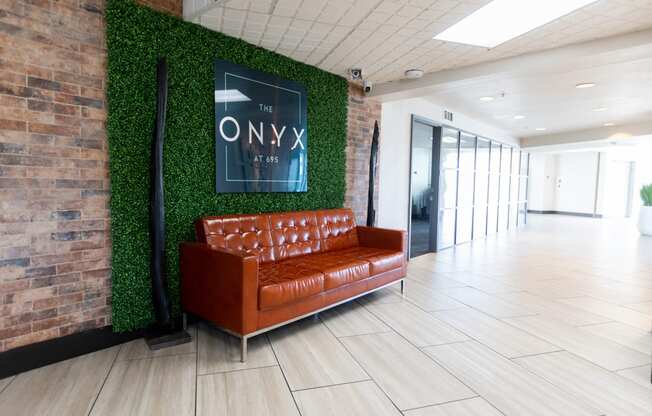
{"x":434,"y":216}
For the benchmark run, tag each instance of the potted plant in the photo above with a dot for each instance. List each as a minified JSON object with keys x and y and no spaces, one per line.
{"x":645,"y":218}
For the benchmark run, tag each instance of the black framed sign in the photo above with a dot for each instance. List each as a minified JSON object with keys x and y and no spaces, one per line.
{"x":261,"y":133}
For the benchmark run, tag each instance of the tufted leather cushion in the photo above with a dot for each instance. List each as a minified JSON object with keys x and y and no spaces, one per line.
{"x":338,"y":269}
{"x":380,"y":260}
{"x":247,"y":233}
{"x":294,"y":234}
{"x":337,"y":229}
{"x":283,"y":283}
{"x":279,"y":236}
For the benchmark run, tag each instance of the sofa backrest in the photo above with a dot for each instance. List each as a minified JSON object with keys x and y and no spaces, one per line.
{"x":278,"y":236}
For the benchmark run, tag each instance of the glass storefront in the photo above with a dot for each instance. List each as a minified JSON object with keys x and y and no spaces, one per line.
{"x":481,"y":187}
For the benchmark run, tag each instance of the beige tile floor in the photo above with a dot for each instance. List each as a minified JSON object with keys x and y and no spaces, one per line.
{"x":554,"y":319}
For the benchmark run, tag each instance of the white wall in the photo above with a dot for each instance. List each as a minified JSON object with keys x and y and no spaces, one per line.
{"x":576,"y":182}
{"x":394,"y":160}
{"x":564,"y":182}
{"x":568,"y":182}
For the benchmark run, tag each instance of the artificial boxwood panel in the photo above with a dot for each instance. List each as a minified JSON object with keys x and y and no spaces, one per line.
{"x":136,"y":37}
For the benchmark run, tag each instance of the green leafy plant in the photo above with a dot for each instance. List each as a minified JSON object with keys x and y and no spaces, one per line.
{"x":646,"y":195}
{"x":136,"y":36}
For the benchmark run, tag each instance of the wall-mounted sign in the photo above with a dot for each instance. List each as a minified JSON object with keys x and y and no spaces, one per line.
{"x":261,"y":134}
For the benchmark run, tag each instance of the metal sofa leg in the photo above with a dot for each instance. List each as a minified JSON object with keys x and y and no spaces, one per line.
{"x":184,"y":317}
{"x":243,"y":349}
{"x":402,"y":286}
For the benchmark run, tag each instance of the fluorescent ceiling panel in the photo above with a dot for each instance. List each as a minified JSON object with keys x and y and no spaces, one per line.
{"x":502,"y":20}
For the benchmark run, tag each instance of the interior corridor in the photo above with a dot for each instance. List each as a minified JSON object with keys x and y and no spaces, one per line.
{"x":553,"y":319}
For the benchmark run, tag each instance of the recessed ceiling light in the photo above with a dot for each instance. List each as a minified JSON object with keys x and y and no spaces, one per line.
{"x":598,"y":109}
{"x":585,"y":85}
{"x":519,"y":117}
{"x":486,"y":99}
{"x":502,"y":20}
{"x":540,"y":129}
{"x":413,"y":73}
{"x":609,"y":124}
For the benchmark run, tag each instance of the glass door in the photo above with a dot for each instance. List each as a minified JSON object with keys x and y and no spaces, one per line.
{"x":494,"y":181}
{"x":504,"y":187}
{"x":448,"y":173}
{"x":422,"y":191}
{"x":465,"y":189}
{"x":481,"y":189}
{"x":524,"y":172}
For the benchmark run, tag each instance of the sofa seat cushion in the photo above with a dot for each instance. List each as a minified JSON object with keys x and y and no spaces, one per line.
{"x":380,"y":260}
{"x":283,"y":283}
{"x":338,"y":270}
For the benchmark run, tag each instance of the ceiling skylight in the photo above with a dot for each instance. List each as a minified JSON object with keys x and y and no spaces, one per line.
{"x":502,"y":20}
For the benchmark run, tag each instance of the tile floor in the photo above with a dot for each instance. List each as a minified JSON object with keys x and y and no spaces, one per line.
{"x":554,"y":319}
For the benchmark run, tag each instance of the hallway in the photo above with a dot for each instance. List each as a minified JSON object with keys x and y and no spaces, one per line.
{"x":553,"y":319}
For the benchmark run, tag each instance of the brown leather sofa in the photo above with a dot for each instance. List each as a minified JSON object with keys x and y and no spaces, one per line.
{"x":248,"y":274}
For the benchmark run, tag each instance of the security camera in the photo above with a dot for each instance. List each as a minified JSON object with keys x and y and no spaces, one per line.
{"x":355,"y":74}
{"x":367,"y":86}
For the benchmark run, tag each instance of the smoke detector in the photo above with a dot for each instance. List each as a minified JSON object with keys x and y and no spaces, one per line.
{"x":413,"y":73}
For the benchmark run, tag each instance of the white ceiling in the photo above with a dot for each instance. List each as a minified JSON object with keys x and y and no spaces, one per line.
{"x":550,"y":100}
{"x":386,"y":37}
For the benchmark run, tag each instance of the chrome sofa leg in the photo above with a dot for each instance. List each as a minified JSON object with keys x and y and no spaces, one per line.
{"x":402,"y":286}
{"x":184,"y":318}
{"x":243,"y":349}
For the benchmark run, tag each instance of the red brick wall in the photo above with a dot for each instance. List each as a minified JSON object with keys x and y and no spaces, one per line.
{"x":54,"y":187}
{"x":362,"y":114}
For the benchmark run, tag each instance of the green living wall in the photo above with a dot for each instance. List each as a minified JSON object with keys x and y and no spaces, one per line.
{"x":136,"y":37}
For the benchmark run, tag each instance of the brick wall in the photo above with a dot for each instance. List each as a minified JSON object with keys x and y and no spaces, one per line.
{"x":55,"y":245}
{"x":362,"y":114}
{"x":54,"y":218}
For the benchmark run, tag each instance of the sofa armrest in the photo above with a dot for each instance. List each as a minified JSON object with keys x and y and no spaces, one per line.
{"x":382,"y":238}
{"x":220,"y":286}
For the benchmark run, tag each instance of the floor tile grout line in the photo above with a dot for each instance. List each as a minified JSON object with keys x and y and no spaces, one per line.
{"x":631,"y":368}
{"x":466,"y":304}
{"x":536,"y":375}
{"x":360,"y":365}
{"x":287,"y":383}
{"x":535,"y":355}
{"x":453,"y":401}
{"x":106,"y":378}
{"x":157,"y":356}
{"x":237,"y":370}
{"x":366,"y":333}
{"x":425,"y":354}
{"x":471,"y":338}
{"x":586,"y":359}
{"x":13,"y":378}
{"x":346,"y":383}
{"x":344,"y":346}
{"x":486,"y":346}
{"x":576,"y":395}
{"x":623,"y":369}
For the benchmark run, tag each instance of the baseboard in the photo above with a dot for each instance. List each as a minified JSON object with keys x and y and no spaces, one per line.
{"x":573,"y":214}
{"x":51,"y":351}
